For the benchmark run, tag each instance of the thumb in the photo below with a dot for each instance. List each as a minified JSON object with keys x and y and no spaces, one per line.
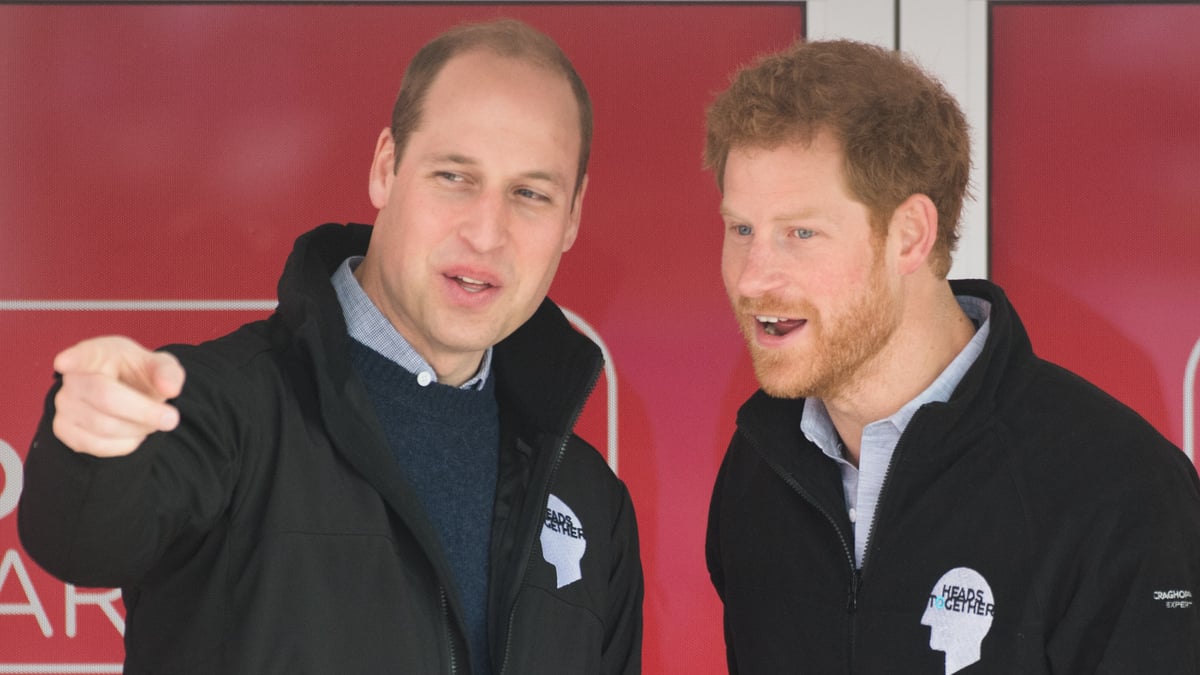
{"x":166,"y":374}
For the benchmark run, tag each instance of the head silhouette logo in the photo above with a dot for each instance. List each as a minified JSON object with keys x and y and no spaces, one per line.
{"x":563,"y":543}
{"x":959,"y":614}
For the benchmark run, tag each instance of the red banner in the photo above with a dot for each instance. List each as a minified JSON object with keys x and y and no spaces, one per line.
{"x":1095,"y":211}
{"x":160,"y":159}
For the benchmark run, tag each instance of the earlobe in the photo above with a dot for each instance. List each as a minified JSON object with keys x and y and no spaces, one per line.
{"x":574,"y":218}
{"x":915,"y":223}
{"x":383,"y":169}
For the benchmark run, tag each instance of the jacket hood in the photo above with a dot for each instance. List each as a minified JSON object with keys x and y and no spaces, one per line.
{"x":545,"y":368}
{"x":971,"y":404}
{"x":543,"y":373}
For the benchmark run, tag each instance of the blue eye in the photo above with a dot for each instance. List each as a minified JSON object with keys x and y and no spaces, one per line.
{"x":530,"y":194}
{"x":743,"y":230}
{"x":803,"y":233}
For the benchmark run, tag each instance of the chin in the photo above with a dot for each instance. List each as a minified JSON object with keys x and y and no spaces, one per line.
{"x":784,"y":389}
{"x":778,"y":378}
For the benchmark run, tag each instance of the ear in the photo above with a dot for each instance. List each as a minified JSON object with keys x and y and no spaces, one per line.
{"x":383,"y":169}
{"x":575,"y":215}
{"x":913,"y":229}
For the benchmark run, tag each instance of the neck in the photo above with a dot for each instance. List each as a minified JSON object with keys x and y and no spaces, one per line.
{"x":931,"y":333}
{"x":453,"y":367}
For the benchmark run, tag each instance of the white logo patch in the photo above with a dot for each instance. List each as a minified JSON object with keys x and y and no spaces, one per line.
{"x":1174,"y":599}
{"x":960,"y":613}
{"x":563,"y":542}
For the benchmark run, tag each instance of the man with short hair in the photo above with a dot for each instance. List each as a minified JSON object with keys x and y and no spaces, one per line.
{"x":913,"y":490}
{"x":381,"y":477}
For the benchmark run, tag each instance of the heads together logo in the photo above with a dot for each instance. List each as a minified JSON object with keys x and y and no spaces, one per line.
{"x":563,"y":543}
{"x":959,"y":614}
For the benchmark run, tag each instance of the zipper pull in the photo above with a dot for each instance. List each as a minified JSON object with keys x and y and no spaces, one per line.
{"x":855,"y":584}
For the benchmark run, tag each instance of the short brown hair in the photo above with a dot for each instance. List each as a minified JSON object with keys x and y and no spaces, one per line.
{"x":505,"y":37}
{"x":901,"y":132}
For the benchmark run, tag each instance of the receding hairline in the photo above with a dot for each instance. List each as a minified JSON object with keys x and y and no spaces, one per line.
{"x":506,"y":38}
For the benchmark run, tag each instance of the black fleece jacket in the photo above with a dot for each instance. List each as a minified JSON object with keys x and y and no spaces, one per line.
{"x":1031,"y":517}
{"x":273,"y":532}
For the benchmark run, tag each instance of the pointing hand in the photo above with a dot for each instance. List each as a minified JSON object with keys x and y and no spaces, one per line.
{"x":114,"y":395}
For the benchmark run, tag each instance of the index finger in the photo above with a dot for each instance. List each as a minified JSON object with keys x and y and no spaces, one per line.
{"x":155,"y":374}
{"x":104,"y":405}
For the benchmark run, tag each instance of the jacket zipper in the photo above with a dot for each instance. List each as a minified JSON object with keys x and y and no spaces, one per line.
{"x":860,"y":571}
{"x":448,"y":627}
{"x":558,"y":456}
{"x":883,"y":491}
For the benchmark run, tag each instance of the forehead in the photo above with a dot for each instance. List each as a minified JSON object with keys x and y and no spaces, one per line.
{"x":794,"y":169}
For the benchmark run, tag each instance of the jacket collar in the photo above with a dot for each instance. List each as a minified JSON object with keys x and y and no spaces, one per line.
{"x":543,"y":373}
{"x":774,"y":424}
{"x":545,"y":369}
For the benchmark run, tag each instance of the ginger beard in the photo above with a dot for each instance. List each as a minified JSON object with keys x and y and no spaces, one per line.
{"x":826,"y":362}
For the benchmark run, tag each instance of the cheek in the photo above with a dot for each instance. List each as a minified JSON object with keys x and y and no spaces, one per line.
{"x":837,"y":275}
{"x":552,"y":263}
{"x":396,"y":241}
{"x":732,"y":262}
{"x":541,"y":245}
{"x":533,"y":268}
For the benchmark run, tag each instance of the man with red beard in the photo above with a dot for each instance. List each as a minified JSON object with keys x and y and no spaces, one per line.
{"x":913,"y":490}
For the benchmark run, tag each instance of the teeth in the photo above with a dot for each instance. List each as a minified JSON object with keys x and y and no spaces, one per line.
{"x":469,"y":280}
{"x":770,"y":324}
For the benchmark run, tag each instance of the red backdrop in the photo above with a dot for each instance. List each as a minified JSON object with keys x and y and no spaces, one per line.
{"x":173,"y":152}
{"x":1095,"y":192}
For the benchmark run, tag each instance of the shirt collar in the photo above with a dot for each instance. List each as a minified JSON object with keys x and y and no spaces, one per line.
{"x":365,"y":323}
{"x":818,"y":428}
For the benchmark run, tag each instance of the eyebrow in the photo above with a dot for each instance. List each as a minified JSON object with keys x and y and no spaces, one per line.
{"x":454,"y":158}
{"x":808,"y":213}
{"x":803,"y":214}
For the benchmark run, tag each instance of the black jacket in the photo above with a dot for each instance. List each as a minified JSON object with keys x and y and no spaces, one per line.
{"x":272,"y":532}
{"x":1081,"y":520}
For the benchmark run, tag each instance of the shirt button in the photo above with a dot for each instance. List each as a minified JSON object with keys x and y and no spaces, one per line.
{"x":424,"y":378}
{"x":854,"y":515}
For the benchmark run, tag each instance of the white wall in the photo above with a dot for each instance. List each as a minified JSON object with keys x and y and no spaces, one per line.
{"x":949,"y":39}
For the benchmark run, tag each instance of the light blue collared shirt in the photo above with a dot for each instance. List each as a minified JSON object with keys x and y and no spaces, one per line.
{"x":369,"y":326}
{"x":861,"y":485}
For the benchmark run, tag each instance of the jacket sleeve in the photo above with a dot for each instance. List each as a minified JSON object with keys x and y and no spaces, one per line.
{"x":1135,"y":608}
{"x":1158,"y":626}
{"x":712,"y":555}
{"x":105,"y":522}
{"x":623,"y":638}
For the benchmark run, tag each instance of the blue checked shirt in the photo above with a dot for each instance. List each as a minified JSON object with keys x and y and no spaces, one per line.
{"x":369,"y":326}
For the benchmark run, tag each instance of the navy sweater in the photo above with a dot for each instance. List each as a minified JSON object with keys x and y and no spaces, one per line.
{"x":446,"y":441}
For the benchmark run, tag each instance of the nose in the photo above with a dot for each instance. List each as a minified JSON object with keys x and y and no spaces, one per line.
{"x":753,"y":268}
{"x":485,"y":226}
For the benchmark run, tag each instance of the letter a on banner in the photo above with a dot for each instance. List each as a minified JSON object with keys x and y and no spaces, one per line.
{"x":12,"y":563}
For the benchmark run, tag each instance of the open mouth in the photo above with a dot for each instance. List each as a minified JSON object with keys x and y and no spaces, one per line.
{"x":778,"y":326}
{"x":471,"y":285}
